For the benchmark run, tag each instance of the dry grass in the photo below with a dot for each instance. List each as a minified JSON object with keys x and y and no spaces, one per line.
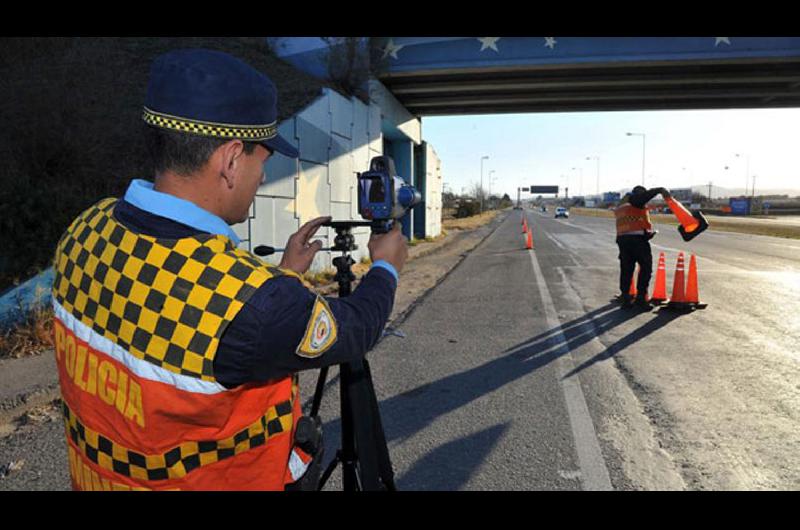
{"x":31,"y":337}
{"x":470,"y":223}
{"x":738,"y":226}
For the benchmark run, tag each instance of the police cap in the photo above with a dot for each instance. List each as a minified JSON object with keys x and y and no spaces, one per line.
{"x":210,"y":93}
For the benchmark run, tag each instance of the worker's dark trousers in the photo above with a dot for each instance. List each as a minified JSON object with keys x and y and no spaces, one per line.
{"x":633,"y":250}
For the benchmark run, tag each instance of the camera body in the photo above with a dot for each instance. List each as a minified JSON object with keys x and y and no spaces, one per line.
{"x":383,"y":196}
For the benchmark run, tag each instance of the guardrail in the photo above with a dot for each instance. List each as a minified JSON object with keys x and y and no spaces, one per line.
{"x":19,"y":301}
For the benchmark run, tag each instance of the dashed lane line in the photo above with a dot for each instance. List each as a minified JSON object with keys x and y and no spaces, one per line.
{"x":594,"y":474}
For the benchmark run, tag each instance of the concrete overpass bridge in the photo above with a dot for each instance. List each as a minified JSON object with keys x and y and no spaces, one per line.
{"x":486,"y":75}
{"x":413,"y":77}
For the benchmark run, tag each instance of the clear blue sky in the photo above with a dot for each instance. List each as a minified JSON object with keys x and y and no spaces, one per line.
{"x":683,"y":148}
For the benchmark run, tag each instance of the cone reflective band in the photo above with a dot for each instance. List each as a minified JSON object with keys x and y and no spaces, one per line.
{"x":692,"y":294}
{"x":660,"y":290}
{"x":678,"y":284}
{"x":692,"y":291}
{"x":692,"y":224}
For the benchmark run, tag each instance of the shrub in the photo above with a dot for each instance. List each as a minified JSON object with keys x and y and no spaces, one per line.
{"x":467,"y":209}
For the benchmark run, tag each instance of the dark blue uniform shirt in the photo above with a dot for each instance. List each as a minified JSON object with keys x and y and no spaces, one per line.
{"x":260,"y":343}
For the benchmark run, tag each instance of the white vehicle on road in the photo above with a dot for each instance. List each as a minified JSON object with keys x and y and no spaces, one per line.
{"x":562,"y":212}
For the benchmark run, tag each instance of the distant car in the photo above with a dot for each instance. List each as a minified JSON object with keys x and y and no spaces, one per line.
{"x":544,"y":208}
{"x":518,"y":207}
{"x":562,"y":212}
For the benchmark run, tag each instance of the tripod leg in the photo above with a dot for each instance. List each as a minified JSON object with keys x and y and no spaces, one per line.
{"x":326,"y":475}
{"x":369,"y":442}
{"x":323,"y":375}
{"x":384,"y":463}
{"x":348,"y":452}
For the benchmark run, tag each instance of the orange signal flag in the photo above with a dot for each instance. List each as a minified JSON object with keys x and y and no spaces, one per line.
{"x":524,"y":225}
{"x":660,"y":289}
{"x":529,"y":245}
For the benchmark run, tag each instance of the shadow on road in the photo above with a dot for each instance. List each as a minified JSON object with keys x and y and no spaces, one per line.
{"x":662,"y":319}
{"x":451,"y":465}
{"x":404,"y":415}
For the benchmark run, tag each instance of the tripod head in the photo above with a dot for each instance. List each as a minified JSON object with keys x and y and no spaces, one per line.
{"x":344,"y":243}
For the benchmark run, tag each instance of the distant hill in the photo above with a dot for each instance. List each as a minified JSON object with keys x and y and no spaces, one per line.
{"x":718,"y":191}
{"x":71,"y":116}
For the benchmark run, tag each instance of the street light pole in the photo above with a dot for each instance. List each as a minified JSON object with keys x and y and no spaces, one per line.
{"x":580,"y":182}
{"x":490,"y":186}
{"x":485,"y":157}
{"x":746,"y":172}
{"x":597,"y":158}
{"x":643,"y":150}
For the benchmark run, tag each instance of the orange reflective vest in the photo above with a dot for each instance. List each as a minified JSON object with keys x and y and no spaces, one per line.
{"x":137,"y":325}
{"x":631,"y":219}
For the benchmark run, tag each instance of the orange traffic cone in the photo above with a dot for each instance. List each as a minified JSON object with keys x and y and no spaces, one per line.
{"x":692,"y":295}
{"x":524,"y":225}
{"x":678,"y":300}
{"x":692,"y":224}
{"x":529,"y":245}
{"x":632,"y":290}
{"x":660,"y":290}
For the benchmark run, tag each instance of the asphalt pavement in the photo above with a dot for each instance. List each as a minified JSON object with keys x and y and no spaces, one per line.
{"x":517,"y":372}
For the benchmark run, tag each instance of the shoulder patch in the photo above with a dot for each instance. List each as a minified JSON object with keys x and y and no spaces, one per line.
{"x":320,"y":333}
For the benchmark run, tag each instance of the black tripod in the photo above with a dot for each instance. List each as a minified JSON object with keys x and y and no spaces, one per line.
{"x":363,"y":454}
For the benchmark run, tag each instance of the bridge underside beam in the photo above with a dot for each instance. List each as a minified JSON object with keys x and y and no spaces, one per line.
{"x":674,"y":85}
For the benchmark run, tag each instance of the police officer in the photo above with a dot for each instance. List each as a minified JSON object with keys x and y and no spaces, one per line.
{"x":634,"y":232}
{"x":177,"y":351}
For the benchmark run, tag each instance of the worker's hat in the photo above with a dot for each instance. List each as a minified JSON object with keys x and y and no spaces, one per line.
{"x":210,"y":93}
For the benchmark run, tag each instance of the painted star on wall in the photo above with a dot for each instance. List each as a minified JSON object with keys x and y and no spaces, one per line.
{"x":489,"y":42}
{"x":726,"y":40}
{"x":392,"y":49}
{"x":550,"y":42}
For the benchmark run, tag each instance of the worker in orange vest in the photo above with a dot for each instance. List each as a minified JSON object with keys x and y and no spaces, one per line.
{"x":634,"y":232}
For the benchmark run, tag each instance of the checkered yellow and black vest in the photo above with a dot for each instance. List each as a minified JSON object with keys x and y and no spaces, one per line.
{"x":138,"y":321}
{"x":631,"y":219}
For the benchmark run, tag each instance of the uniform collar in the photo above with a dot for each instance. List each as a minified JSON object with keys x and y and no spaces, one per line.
{"x":142,"y":195}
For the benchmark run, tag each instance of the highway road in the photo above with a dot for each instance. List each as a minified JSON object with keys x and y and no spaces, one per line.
{"x":517,"y":372}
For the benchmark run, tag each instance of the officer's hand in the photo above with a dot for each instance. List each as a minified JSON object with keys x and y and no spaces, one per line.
{"x":390,"y":247}
{"x":665,"y":193}
{"x":299,"y":254}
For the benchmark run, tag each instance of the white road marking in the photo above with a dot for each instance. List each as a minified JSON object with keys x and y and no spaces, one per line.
{"x":594,"y":474}
{"x":555,"y":240}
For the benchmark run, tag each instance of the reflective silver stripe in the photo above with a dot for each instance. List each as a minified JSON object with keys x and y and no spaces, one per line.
{"x":296,"y":466}
{"x":138,"y":366}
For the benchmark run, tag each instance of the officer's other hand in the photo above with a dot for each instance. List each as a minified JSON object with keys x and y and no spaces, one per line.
{"x":390,"y":247}
{"x":299,"y":253}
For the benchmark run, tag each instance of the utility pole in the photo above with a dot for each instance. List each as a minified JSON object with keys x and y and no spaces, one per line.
{"x":597,"y":158}
{"x":485,"y":157}
{"x":709,"y":191}
{"x":643,"y":150}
